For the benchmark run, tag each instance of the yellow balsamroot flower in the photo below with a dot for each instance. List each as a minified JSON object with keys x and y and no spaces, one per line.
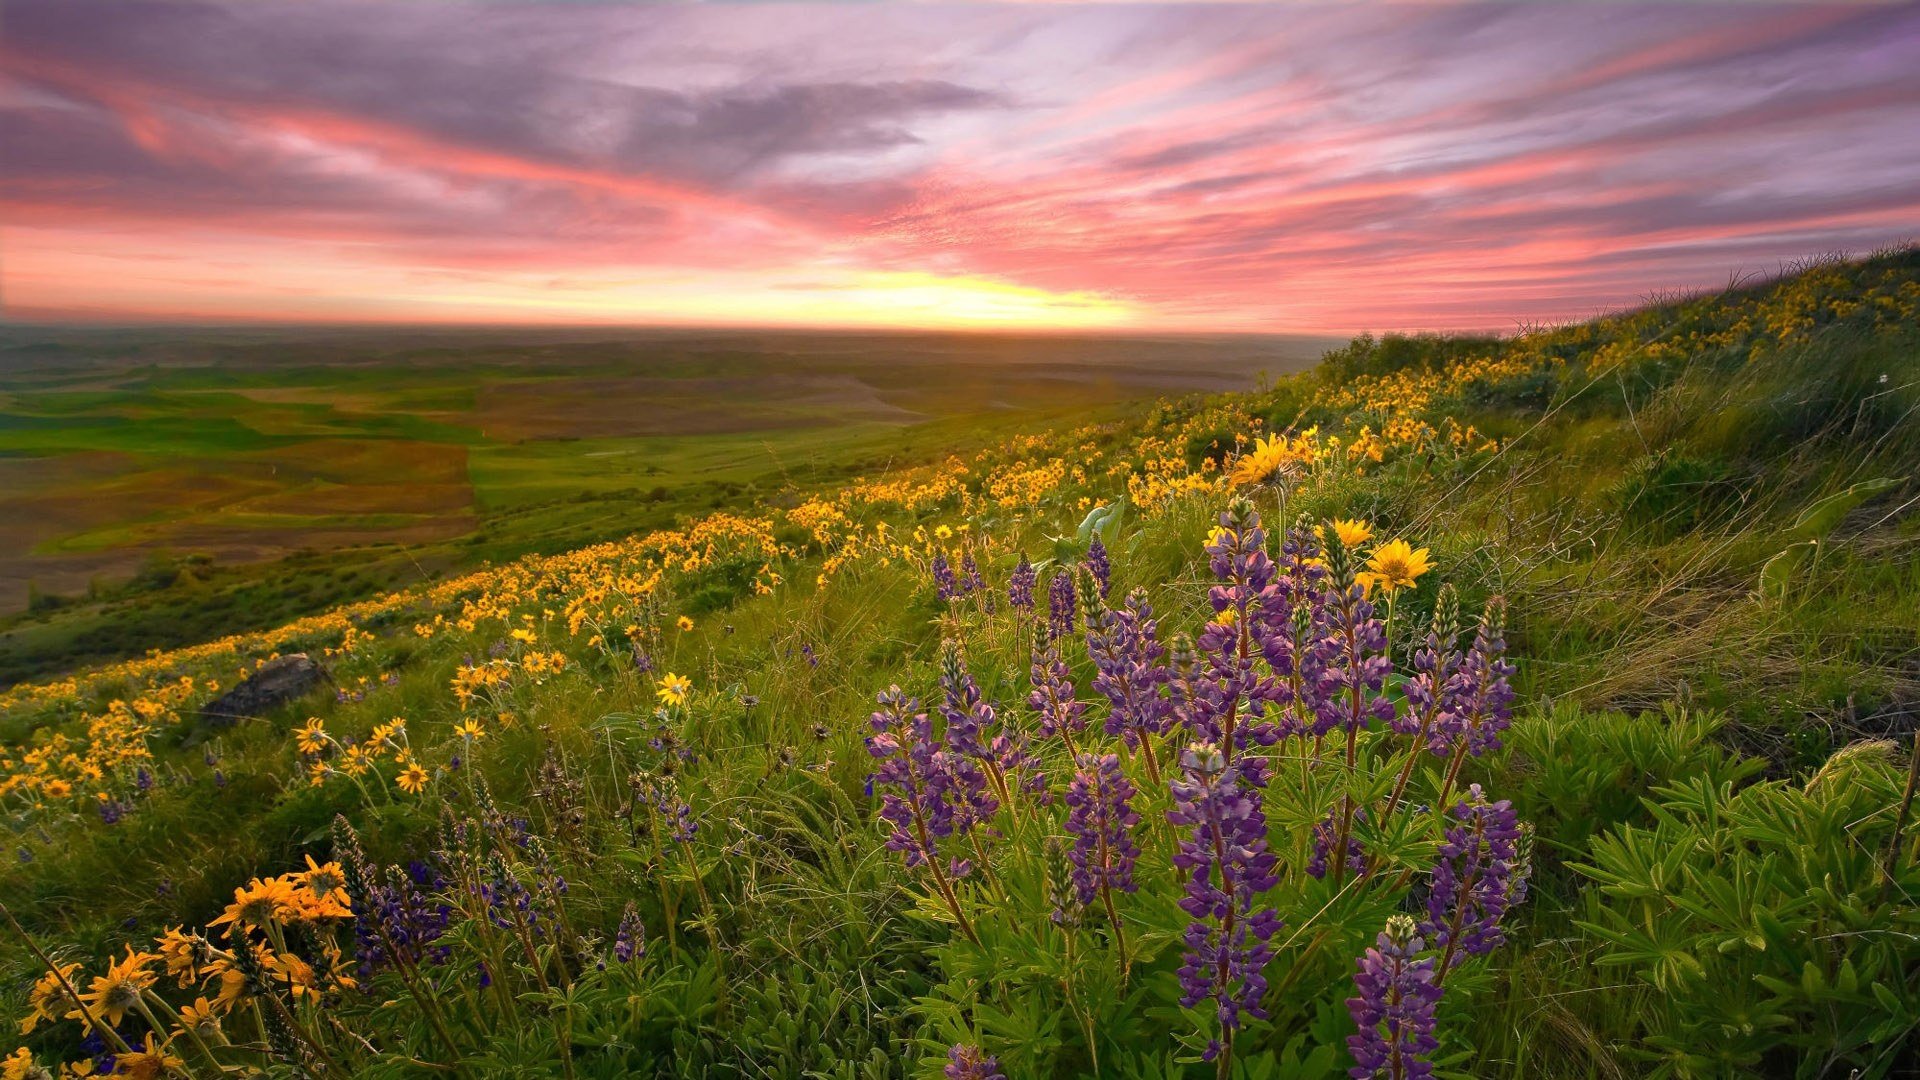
{"x":1268,"y":460}
{"x":119,"y":989}
{"x":260,"y":903}
{"x":1227,"y":617}
{"x":183,"y":954}
{"x":312,"y":737}
{"x":674,"y":689}
{"x":684,"y":623}
{"x":21,"y":1066}
{"x":1396,"y":564}
{"x":233,"y":984}
{"x":470,"y":729}
{"x":150,"y":1062}
{"x":46,"y":996}
{"x":412,"y":779}
{"x":359,"y":758}
{"x":1352,"y":533}
{"x":200,"y":1018}
{"x":326,"y":888}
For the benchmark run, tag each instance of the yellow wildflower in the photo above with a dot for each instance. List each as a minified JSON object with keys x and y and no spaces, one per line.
{"x":1352,"y":533}
{"x":21,"y":1066}
{"x":674,"y":689}
{"x":149,"y":1062}
{"x":47,"y":994}
{"x":312,"y":737}
{"x":1396,"y":564}
{"x":412,"y":779}
{"x":119,"y":989}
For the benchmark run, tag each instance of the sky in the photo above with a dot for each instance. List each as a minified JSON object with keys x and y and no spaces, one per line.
{"x":1152,"y":167}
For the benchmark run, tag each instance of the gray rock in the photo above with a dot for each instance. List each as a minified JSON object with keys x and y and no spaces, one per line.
{"x":280,"y":680}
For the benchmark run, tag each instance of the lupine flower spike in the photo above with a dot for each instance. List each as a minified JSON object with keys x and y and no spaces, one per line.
{"x":1100,"y":564}
{"x":920,"y":808}
{"x":1477,"y":877}
{"x":1127,"y":654}
{"x":971,"y":1063}
{"x":1020,"y":585}
{"x":1394,"y":1007}
{"x":1060,"y":604}
{"x":1101,"y":817}
{"x":1228,"y":866}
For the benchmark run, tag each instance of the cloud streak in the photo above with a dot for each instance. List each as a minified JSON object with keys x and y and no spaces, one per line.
{"x":1155,"y":166}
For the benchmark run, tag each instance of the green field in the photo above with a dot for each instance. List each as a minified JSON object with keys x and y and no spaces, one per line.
{"x":154,"y":482}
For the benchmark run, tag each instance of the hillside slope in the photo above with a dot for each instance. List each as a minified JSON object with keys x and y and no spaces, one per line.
{"x":1651,"y":646}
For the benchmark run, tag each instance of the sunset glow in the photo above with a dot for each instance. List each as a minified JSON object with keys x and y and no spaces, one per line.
{"x":1126,"y":167}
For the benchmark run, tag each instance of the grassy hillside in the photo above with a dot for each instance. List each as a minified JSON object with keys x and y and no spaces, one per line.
{"x":159,"y":488}
{"x":1605,"y":772}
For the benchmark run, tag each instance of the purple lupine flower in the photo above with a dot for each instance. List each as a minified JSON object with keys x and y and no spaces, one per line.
{"x":1228,"y":867}
{"x":1052,"y":696}
{"x":1324,"y":832}
{"x":971,"y":720}
{"x":1100,"y":564}
{"x":974,"y":729}
{"x":1060,"y":605}
{"x":1476,"y":878}
{"x":971,"y":1063}
{"x":1485,"y":697}
{"x":391,"y":916}
{"x":1295,"y":634}
{"x":1101,"y":818}
{"x":1351,"y":688}
{"x":680,"y":815}
{"x":1229,"y":701}
{"x":503,"y":899}
{"x":1126,"y":653}
{"x":945,"y":587}
{"x":1394,"y":1008}
{"x":912,"y":763}
{"x":642,"y":662}
{"x":970,"y":579}
{"x":1061,"y":894}
{"x":411,"y":919}
{"x":1433,"y":688}
{"x":1020,"y":585}
{"x":630,"y":941}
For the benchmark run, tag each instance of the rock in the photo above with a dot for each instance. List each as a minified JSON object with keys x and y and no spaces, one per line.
{"x":280,"y":680}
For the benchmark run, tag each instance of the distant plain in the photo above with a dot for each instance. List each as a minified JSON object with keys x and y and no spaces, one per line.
{"x":162,"y":485}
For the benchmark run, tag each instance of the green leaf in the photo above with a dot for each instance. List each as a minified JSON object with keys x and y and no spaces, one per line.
{"x":1825,"y":515}
{"x":1780,"y":573}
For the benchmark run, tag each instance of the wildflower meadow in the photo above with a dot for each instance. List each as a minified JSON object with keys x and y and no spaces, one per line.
{"x":1538,"y":706}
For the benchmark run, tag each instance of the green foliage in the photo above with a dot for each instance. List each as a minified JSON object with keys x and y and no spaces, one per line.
{"x":1766,"y":920}
{"x":1669,"y":494}
{"x":1586,"y":772}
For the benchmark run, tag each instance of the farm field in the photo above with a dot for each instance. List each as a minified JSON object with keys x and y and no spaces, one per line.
{"x":155,"y":483}
{"x":1533,"y":707}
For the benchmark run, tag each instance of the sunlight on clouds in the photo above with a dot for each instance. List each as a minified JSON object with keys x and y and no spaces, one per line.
{"x":876,"y":299}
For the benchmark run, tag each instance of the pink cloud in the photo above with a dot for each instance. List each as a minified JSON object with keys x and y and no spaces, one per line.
{"x":1252,"y":168}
